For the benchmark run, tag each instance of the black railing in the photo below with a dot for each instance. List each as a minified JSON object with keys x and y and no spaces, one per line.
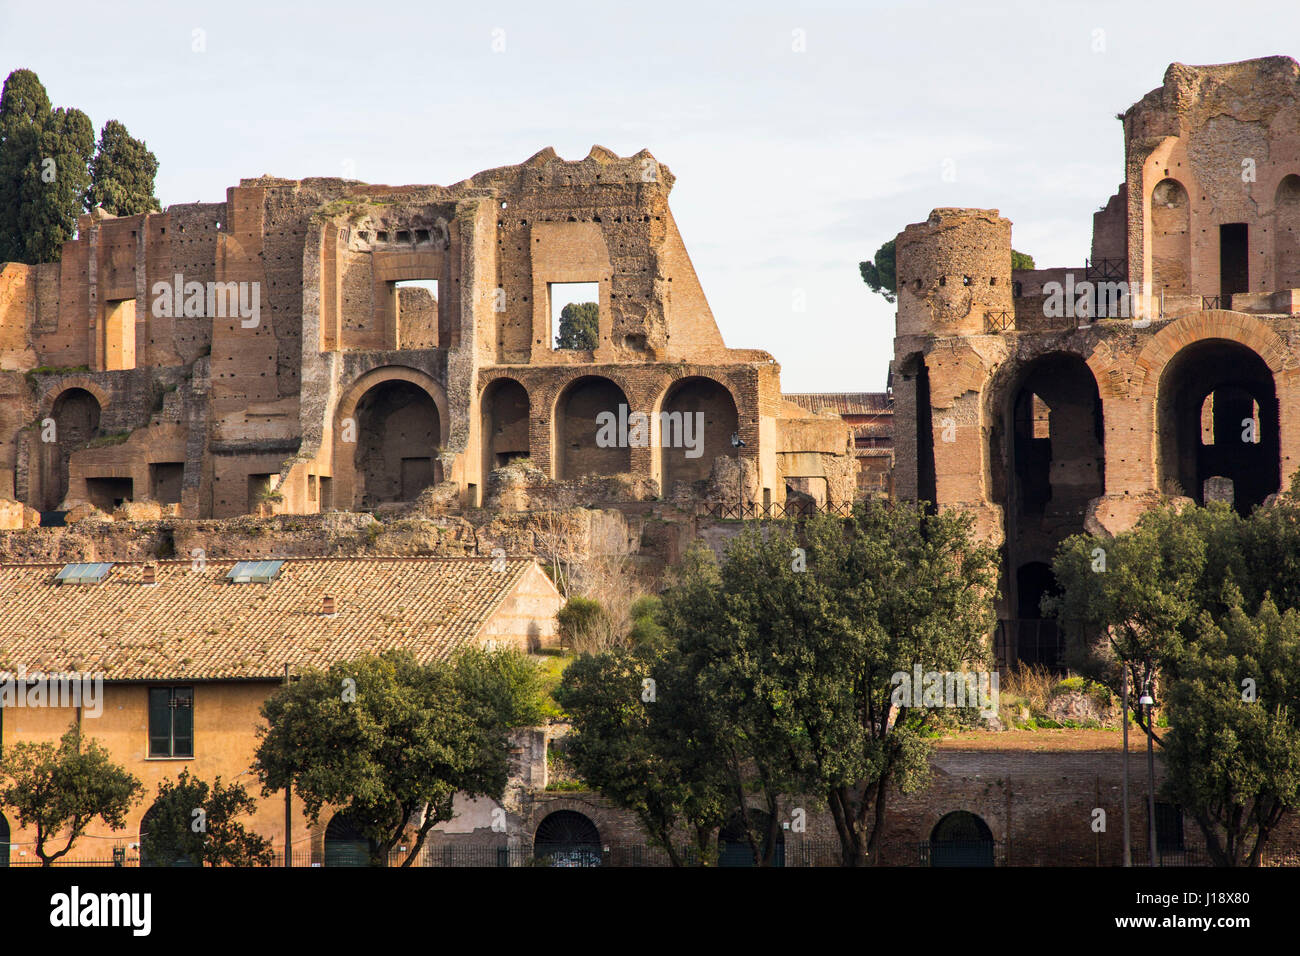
{"x":1105,"y":268}
{"x":755,"y":511}
{"x":1209,"y":302}
{"x":999,"y":321}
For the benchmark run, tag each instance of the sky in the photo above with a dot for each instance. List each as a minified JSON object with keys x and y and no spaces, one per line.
{"x":802,"y":135}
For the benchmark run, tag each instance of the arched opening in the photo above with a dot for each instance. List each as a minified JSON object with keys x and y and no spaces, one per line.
{"x":1171,"y":237}
{"x":345,"y":844}
{"x":1286,"y":233}
{"x":592,"y":429}
{"x":696,"y":421}
{"x":1226,"y":449}
{"x":735,"y":848}
{"x":157,"y":844}
{"x":4,"y":841}
{"x":961,"y":839}
{"x":1047,"y":463}
{"x":567,"y":838}
{"x":505,"y":409}
{"x":397,"y":433}
{"x":75,"y":414}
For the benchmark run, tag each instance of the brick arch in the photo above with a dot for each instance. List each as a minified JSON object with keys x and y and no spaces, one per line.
{"x":344,"y":464}
{"x":574,"y":423}
{"x":1215,"y":324}
{"x":100,"y":394}
{"x":670,"y":462}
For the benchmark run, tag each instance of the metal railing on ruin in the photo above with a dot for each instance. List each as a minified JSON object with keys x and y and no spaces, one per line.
{"x":999,"y":321}
{"x":756,"y":511}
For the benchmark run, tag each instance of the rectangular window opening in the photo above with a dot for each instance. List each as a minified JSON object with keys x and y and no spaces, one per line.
{"x":575,"y":315}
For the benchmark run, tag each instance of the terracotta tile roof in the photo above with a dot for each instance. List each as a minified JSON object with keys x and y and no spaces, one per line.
{"x":842,"y":403}
{"x":196,"y":625}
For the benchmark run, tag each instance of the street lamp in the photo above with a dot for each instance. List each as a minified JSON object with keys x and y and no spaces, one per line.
{"x":1149,"y":702}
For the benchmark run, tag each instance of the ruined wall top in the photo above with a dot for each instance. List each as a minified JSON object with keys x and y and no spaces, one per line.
{"x":952,"y":271}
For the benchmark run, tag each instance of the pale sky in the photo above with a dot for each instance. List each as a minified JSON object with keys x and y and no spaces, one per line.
{"x":796,"y":153}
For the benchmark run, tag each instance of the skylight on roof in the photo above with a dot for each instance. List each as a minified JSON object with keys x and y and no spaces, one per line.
{"x":83,"y":573}
{"x":254,"y":572}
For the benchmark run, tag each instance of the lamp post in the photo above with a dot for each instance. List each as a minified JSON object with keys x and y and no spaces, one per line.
{"x":1128,"y":855}
{"x":1149,"y":702}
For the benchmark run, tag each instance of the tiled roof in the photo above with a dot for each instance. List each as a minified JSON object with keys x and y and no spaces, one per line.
{"x":197,"y":625}
{"x":842,"y":403}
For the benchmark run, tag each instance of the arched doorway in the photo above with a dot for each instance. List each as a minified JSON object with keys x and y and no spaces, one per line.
{"x":567,"y":838}
{"x":1218,"y":422}
{"x":733,"y":843}
{"x":1047,"y":464}
{"x":961,"y":839}
{"x":4,"y":841}
{"x":397,"y":438}
{"x":345,"y":844}
{"x":697,"y":419}
{"x":75,"y":414}
{"x":505,"y":409}
{"x":585,"y":442}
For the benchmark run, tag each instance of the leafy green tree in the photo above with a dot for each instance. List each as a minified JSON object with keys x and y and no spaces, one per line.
{"x":805,"y":639}
{"x":579,"y":326}
{"x":1232,"y":754}
{"x":880,"y":272}
{"x":45,"y":171}
{"x":122,"y":173}
{"x":775,"y":676}
{"x":579,"y":621}
{"x":391,"y":742}
{"x":64,"y":789}
{"x":176,"y":830}
{"x":24,"y":111}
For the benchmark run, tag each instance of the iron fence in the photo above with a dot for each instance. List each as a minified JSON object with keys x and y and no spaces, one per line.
{"x":999,"y":321}
{"x":793,"y":853}
{"x":1030,"y":640}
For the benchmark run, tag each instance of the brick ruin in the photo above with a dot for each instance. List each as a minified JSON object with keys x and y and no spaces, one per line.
{"x":1056,"y":401}
{"x":263,"y":355}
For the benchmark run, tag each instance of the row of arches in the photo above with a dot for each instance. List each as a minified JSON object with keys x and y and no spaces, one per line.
{"x":1217,"y":437}
{"x":695,"y":419}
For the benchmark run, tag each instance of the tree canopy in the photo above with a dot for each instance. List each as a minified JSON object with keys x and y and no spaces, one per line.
{"x":1201,"y":606}
{"x":50,"y":171}
{"x":390,"y":741}
{"x":775,"y":676}
{"x":62,"y":790}
{"x":579,"y":326}
{"x":197,"y":823}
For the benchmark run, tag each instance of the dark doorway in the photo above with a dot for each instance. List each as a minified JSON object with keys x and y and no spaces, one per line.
{"x":961,"y":839}
{"x":567,"y":838}
{"x":4,"y":841}
{"x":1234,"y":261}
{"x":107,"y":493}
